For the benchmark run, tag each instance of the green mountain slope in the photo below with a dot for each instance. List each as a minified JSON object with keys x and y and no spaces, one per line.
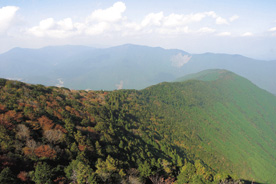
{"x":195,"y":131}
{"x":206,"y":75}
{"x":230,"y":120}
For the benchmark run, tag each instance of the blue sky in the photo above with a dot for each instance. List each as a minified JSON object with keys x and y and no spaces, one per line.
{"x":246,"y":27}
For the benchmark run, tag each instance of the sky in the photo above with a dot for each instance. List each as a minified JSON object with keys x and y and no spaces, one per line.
{"x":246,"y":27}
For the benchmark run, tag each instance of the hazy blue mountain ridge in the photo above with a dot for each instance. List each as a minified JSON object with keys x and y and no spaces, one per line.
{"x":126,"y":66}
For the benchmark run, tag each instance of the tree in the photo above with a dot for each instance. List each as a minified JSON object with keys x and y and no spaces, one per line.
{"x":98,"y":148}
{"x":54,"y":136}
{"x":23,"y":132}
{"x":167,"y":166}
{"x":145,"y":169}
{"x":69,"y":126}
{"x":23,"y":176}
{"x":7,"y":177}
{"x":45,"y":123}
{"x":197,"y":179}
{"x":43,"y":174}
{"x":79,"y":172}
{"x":186,"y":173}
{"x":5,"y":139}
{"x":105,"y":169}
{"x":45,"y":151}
{"x":83,"y":172}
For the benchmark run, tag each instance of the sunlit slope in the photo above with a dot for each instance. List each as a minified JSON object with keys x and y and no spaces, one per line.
{"x":224,"y":119}
{"x":205,"y":75}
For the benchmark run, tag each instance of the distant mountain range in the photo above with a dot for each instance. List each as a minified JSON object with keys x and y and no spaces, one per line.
{"x":124,"y":67}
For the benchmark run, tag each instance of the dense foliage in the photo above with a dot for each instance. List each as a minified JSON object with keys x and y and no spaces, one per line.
{"x":168,"y":133}
{"x":224,"y":119}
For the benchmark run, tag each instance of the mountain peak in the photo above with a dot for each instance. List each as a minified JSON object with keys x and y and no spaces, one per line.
{"x":206,"y":75}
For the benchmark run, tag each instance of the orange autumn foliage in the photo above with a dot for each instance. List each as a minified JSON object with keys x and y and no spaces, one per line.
{"x":81,"y":147}
{"x":58,"y":115}
{"x":91,"y":129}
{"x":10,"y":116}
{"x":45,"y":151}
{"x":45,"y":123}
{"x":60,"y":180}
{"x":2,"y":108}
{"x":23,"y":176}
{"x":59,"y":127}
{"x":6,"y":123}
{"x":68,"y":108}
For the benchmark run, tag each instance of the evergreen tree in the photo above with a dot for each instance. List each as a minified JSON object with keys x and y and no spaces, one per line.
{"x":43,"y":173}
{"x":7,"y":177}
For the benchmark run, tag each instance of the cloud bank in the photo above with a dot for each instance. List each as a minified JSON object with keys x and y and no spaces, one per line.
{"x":226,"y":33}
{"x":112,"y":20}
{"x":247,"y":34}
{"x":272,"y":29}
{"x":7,"y":15}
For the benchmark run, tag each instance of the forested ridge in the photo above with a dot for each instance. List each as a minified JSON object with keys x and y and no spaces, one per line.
{"x":167,"y":133}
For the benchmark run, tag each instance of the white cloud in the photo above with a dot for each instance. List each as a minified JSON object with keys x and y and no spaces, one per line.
{"x":173,"y":20}
{"x":233,"y":18}
{"x":111,"y":20}
{"x":206,"y":30}
{"x":66,"y":24}
{"x":247,"y":34}
{"x":181,"y":19}
{"x":224,"y":34}
{"x":179,"y":60}
{"x":177,"y":23}
{"x":98,"y":22}
{"x":51,"y":28}
{"x":220,"y":20}
{"x":133,"y":26}
{"x":112,"y":14}
{"x":97,"y":29}
{"x":212,"y":14}
{"x":177,"y":30}
{"x":153,"y":19}
{"x":272,"y":29}
{"x":7,"y":14}
{"x":47,"y":24}
{"x":171,"y":24}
